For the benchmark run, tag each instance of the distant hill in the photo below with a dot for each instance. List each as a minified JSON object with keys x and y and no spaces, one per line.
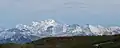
{"x":70,"y":42}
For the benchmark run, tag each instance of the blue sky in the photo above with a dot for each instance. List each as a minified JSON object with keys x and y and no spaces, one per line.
{"x":103,"y":12}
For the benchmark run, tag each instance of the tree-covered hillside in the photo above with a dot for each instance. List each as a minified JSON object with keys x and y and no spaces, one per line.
{"x":70,"y":42}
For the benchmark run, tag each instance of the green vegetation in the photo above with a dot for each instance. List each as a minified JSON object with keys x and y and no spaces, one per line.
{"x":12,"y":45}
{"x":70,"y":42}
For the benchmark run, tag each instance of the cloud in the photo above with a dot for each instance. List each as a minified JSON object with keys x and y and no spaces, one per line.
{"x":47,"y":5}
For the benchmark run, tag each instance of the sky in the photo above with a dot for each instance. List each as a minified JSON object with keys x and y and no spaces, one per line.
{"x":103,"y":12}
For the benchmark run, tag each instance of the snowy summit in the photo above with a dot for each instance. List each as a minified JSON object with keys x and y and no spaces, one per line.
{"x":50,"y":28}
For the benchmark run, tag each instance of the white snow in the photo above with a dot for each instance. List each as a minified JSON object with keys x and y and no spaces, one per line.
{"x":50,"y":28}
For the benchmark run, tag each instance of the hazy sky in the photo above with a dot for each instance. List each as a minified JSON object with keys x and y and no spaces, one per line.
{"x":104,"y":12}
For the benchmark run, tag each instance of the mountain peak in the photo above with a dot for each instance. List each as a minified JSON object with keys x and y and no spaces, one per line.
{"x":48,"y":21}
{"x":51,"y":28}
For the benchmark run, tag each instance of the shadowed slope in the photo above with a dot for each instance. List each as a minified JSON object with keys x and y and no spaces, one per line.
{"x":70,"y":42}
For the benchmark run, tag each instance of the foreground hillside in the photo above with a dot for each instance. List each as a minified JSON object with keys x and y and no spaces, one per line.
{"x":70,"y":42}
{"x":77,"y":42}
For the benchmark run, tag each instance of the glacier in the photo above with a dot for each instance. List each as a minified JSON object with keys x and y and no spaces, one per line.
{"x":50,"y":28}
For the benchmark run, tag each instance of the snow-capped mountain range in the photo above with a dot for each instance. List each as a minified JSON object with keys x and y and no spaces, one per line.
{"x":50,"y":28}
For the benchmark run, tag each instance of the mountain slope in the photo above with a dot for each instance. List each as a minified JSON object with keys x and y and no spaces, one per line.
{"x":50,"y":28}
